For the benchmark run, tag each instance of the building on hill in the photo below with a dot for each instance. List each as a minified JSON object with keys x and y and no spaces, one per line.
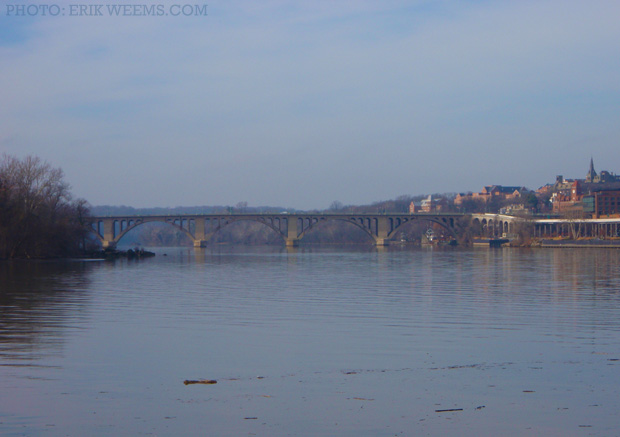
{"x":561,"y":185}
{"x":565,"y":200}
{"x":605,"y":203}
{"x":604,"y":177}
{"x":415,"y":207}
{"x":594,"y":195}
{"x":516,"y":209}
{"x":591,"y":172}
{"x":597,"y":200}
{"x":491,"y":192}
{"x":430,"y":204}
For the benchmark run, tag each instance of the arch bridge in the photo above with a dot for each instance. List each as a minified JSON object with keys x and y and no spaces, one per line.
{"x":495,"y":225}
{"x":200,"y":228}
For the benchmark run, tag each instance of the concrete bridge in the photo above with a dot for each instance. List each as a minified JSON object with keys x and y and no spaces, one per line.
{"x":603,"y":228}
{"x":495,"y":225}
{"x":291,"y":227}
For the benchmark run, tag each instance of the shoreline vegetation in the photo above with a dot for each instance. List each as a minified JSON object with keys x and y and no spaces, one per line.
{"x":38,"y":216}
{"x":39,"y":219}
{"x":136,"y":253}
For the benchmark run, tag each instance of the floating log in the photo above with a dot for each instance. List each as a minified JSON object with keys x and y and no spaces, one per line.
{"x":200,"y":381}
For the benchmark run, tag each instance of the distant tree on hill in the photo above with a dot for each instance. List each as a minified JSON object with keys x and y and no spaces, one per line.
{"x":531,"y":202}
{"x":472,"y":206}
{"x":241,"y":206}
{"x":336,"y":206}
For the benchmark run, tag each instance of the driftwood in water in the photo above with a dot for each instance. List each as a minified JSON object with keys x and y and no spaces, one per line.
{"x":200,"y":381}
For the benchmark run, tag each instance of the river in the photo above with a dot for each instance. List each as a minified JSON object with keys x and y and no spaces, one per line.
{"x":314,"y":341}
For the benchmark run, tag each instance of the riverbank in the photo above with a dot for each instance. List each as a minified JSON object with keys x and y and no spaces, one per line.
{"x":115,"y":254}
{"x":594,"y":242}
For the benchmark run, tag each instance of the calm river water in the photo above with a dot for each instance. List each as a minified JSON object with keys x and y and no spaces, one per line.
{"x":314,"y":342}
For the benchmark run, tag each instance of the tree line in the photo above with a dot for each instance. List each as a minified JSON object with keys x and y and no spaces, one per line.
{"x":38,"y":216}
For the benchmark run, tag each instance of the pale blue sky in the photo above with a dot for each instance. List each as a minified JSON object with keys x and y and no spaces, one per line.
{"x":298,"y":104}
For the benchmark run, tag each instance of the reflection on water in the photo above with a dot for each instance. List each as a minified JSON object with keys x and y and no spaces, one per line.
{"x":314,"y":341}
{"x":38,"y":301}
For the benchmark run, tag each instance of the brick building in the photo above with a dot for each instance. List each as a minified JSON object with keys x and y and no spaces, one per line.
{"x":606,"y":203}
{"x":491,"y":192}
{"x":430,"y":204}
{"x":596,"y":195}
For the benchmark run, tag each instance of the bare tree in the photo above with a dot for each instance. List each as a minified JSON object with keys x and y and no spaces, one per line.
{"x":336,"y":206}
{"x":524,"y":231}
{"x":37,"y":218}
{"x":241,"y":206}
{"x":575,"y":218}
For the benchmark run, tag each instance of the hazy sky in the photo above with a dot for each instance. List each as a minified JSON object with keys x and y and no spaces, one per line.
{"x":298,"y":104}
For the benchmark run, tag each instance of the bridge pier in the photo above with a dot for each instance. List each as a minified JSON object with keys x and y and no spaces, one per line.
{"x":200,"y":237}
{"x":292,"y":233}
{"x":107,"y":244}
{"x":383,"y":230}
{"x":292,"y":242}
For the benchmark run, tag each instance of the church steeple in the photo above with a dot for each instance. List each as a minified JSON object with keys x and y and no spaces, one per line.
{"x":591,"y":173}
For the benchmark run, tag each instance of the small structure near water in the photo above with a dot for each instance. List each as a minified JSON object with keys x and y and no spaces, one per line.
{"x":490,"y":242}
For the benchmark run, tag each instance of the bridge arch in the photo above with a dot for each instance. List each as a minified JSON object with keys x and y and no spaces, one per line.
{"x":181,"y":225}
{"x":308,"y":224}
{"x":276,"y":224}
{"x":447,"y":223}
{"x":110,"y":231}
